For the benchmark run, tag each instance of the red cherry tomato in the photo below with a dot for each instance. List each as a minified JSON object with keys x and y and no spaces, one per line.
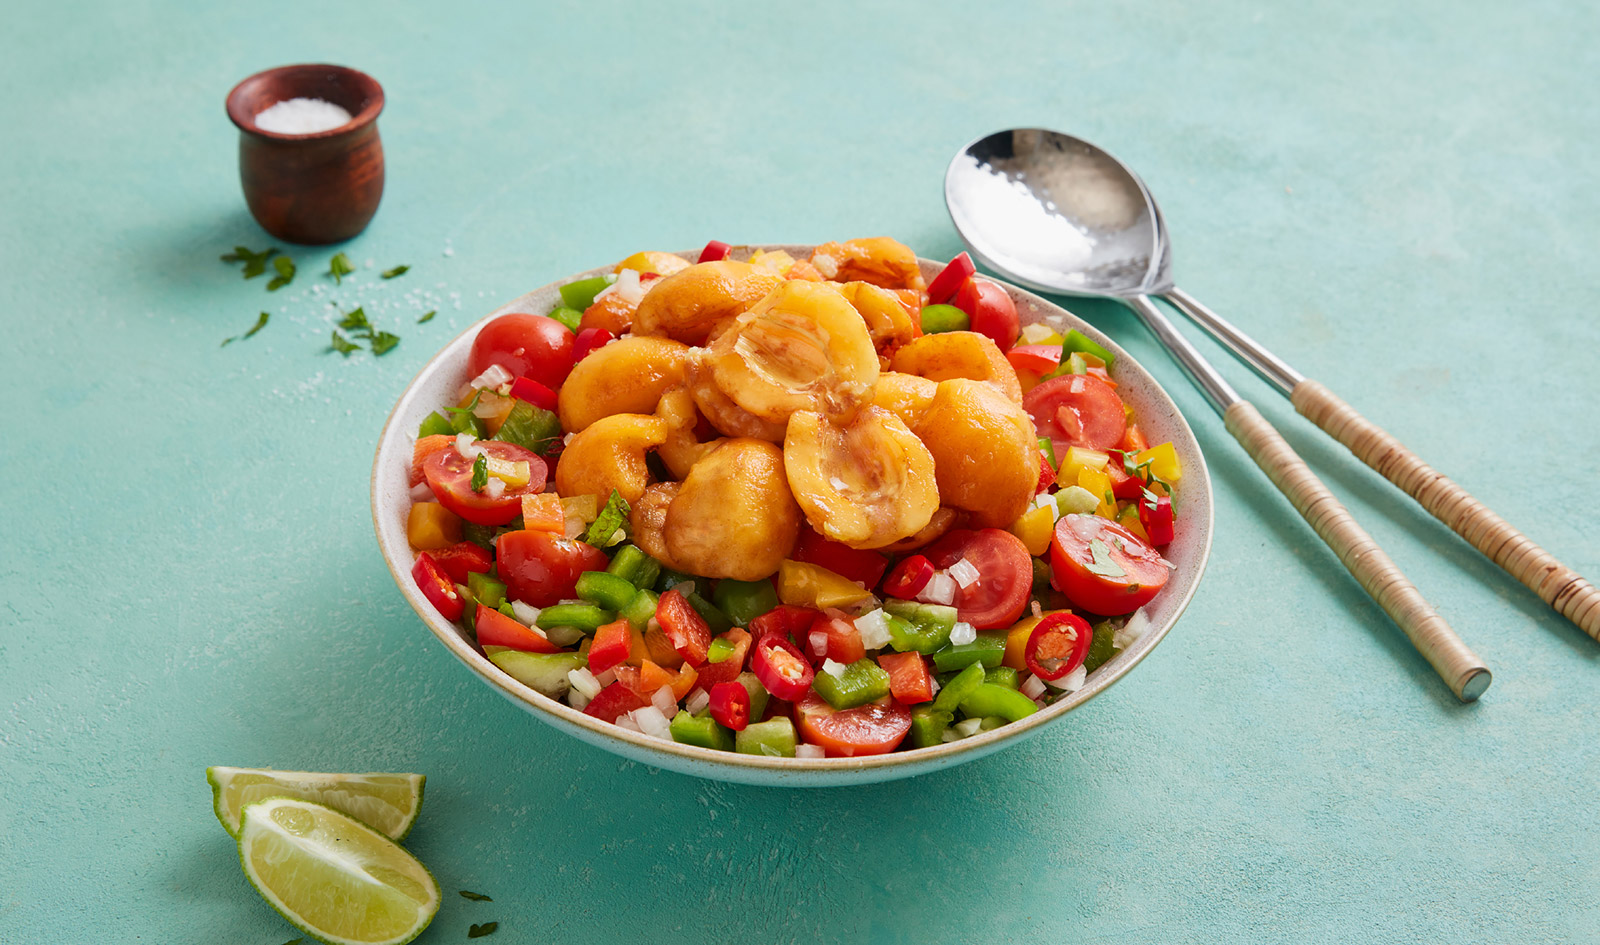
{"x":1102,"y":567}
{"x":542,"y":568}
{"x":613,"y":701}
{"x":1037,"y":360}
{"x":496,"y":629}
{"x":449,"y":475}
{"x":527,"y":346}
{"x":589,"y":340}
{"x":870,"y":729}
{"x":841,"y":641}
{"x":909,"y":679}
{"x":1156,"y":517}
{"x":437,"y":588}
{"x":854,"y":564}
{"x":727,"y":670}
{"x":909,"y":577}
{"x":461,"y":559}
{"x":1058,"y":645}
{"x":1076,"y":410}
{"x":993,"y":313}
{"x":1005,"y":574}
{"x":715,"y":250}
{"x":730,"y":705}
{"x":526,"y":388}
{"x":612,"y":644}
{"x":954,"y":274}
{"x":686,"y":630}
{"x":781,"y":667}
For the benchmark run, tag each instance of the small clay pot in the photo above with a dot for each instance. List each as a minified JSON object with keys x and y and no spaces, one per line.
{"x":316,"y":188}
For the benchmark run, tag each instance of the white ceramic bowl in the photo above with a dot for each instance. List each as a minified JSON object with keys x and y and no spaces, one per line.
{"x":436,"y":384}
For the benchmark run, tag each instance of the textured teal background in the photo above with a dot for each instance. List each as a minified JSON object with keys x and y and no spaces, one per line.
{"x":1399,"y":199}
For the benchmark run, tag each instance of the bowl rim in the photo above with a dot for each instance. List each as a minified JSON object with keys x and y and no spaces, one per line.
{"x":245,"y":121}
{"x":554,"y":711}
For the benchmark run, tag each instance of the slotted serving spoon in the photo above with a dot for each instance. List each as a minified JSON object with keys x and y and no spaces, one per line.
{"x":1058,"y":214}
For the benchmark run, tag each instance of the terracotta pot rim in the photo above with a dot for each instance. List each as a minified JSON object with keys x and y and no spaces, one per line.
{"x":245,"y":120}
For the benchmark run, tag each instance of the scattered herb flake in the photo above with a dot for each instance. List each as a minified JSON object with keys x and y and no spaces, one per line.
{"x":396,"y":271}
{"x":480,"y":473}
{"x":339,"y":267}
{"x":479,"y":931}
{"x":254,"y":263}
{"x":1102,"y":563}
{"x":475,"y":897}
{"x":427,"y":317}
{"x":342,"y":345}
{"x":260,"y":324}
{"x":355,"y":320}
{"x":285,"y":267}
{"x":383,"y":342}
{"x":612,"y":518}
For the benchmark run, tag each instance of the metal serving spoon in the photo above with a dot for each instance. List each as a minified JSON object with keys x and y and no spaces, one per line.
{"x":1058,"y":214}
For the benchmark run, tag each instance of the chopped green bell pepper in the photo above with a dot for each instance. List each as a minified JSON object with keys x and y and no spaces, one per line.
{"x":860,"y":683}
{"x":1048,"y":446}
{"x":585,"y":617}
{"x":1078,"y":341}
{"x":950,"y":697}
{"x":607,"y":590}
{"x":988,"y":649}
{"x":1101,"y":647}
{"x":928,"y":726}
{"x":700,"y":730}
{"x":920,"y":627}
{"x":543,"y":672}
{"x":758,"y":693}
{"x":670,"y":578}
{"x":464,"y":421}
{"x":485,"y":589}
{"x":640,"y":609}
{"x":720,"y":650}
{"x":567,"y":316}
{"x":774,"y":738}
{"x":1002,"y":676}
{"x":709,"y":612}
{"x":435,"y":425}
{"x":580,"y":295}
{"x":744,"y":601}
{"x":634,"y":566}
{"x":988,"y":699}
{"x":480,"y":535}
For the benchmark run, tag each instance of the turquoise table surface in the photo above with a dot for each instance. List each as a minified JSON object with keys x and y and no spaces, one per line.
{"x":1400,"y":199}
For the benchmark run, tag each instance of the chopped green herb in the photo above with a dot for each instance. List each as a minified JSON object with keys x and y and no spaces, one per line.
{"x":475,"y":897}
{"x":254,"y":263}
{"x":383,"y":342}
{"x":343,"y":346}
{"x":479,"y":931}
{"x":480,"y":473}
{"x":396,"y":271}
{"x":260,"y":324}
{"x":355,"y":321}
{"x":427,"y":317}
{"x":611,"y":518}
{"x":1102,"y":564}
{"x":339,"y":267}
{"x":285,"y":267}
{"x":531,"y":428}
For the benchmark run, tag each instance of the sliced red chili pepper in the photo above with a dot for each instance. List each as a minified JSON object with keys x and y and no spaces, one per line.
{"x":612,"y":644}
{"x":715,"y":250}
{"x":909,"y":577}
{"x":496,"y":629}
{"x":437,"y":588}
{"x":588,"y":340}
{"x":613,"y":701}
{"x":1057,"y":646}
{"x":785,"y":620}
{"x":730,"y":705}
{"x":526,"y":388}
{"x":1155,"y":514}
{"x":782,"y":668}
{"x":854,"y":564}
{"x":950,"y":279}
{"x":688,"y":632}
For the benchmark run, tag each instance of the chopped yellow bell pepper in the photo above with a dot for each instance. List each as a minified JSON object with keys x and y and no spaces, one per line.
{"x":431,"y":526}
{"x":664,"y":264}
{"x":1040,"y":334}
{"x":1017,"y":640}
{"x":1163,"y":462}
{"x":1034,"y":528}
{"x":514,"y":474}
{"x":807,"y":585}
{"x":1098,"y":483}
{"x":1128,"y":517}
{"x":585,"y":508}
{"x":776,"y":262}
{"x":543,"y":513}
{"x":1076,"y":461}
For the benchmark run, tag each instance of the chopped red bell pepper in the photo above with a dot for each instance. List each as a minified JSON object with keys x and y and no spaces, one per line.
{"x":1047,"y":475}
{"x":785,"y":621}
{"x":461,"y":559}
{"x":782,"y":668}
{"x":437,"y":587}
{"x":1035,"y":359}
{"x":726,"y":670}
{"x":950,"y":279}
{"x":1057,"y":646}
{"x":589,"y":340}
{"x":730,"y":705}
{"x":1123,"y":486}
{"x":530,"y":390}
{"x":909,"y":577}
{"x":496,"y":629}
{"x":967,"y":297}
{"x":841,"y":640}
{"x":909,"y":679}
{"x":685,"y":629}
{"x":715,"y":250}
{"x":867,"y":567}
{"x":1155,"y":514}
{"x":613,"y":701}
{"x":612,"y":644}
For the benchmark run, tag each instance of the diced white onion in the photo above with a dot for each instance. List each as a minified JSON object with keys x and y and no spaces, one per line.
{"x":567,"y":438}
{"x":665,"y":701}
{"x":422,"y":492}
{"x":965,"y":573}
{"x":1071,"y":681}
{"x":573,"y":527}
{"x":1032,"y":687}
{"x":810,"y":751}
{"x":819,"y":642}
{"x":563,"y":636}
{"x":627,"y":286}
{"x":627,"y":722}
{"x":1036,"y":333}
{"x":526,"y":614}
{"x":583,"y":681}
{"x":934,"y":686}
{"x":833,"y":668}
{"x":493,"y":376}
{"x":699,"y":700}
{"x":577,"y":699}
{"x":495,"y":488}
{"x":606,"y":678}
{"x":1137,"y":624}
{"x":949,"y":735}
{"x":683,"y":587}
{"x":941,"y":589}
{"x":968,"y":727}
{"x":653,"y":722}
{"x":874,"y":629}
{"x":467,"y":446}
{"x":1037,"y":610}
{"x":963,"y":633}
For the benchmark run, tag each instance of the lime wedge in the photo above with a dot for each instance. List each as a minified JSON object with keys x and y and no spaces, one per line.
{"x":388,"y":802}
{"x":334,"y":877}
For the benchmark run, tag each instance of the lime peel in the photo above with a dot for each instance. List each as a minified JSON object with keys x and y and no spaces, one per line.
{"x":387,"y":802}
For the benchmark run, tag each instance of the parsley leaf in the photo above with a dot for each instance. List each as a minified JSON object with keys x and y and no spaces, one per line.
{"x":343,"y":346}
{"x":383,"y":342}
{"x":531,"y":428}
{"x":339,"y":267}
{"x":475,"y":897}
{"x":480,"y":473}
{"x":1102,"y":563}
{"x":427,"y":317}
{"x":479,"y":931}
{"x":355,"y":321}
{"x":254,"y":263}
{"x":285,"y":267}
{"x":611,"y":518}
{"x":260,"y":324}
{"x":396,"y":271}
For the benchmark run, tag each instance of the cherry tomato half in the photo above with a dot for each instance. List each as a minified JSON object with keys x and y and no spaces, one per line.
{"x":841,"y":640}
{"x":781,"y":667}
{"x":870,"y":729}
{"x":1058,"y":645}
{"x":527,"y":346}
{"x":1005,"y":574}
{"x":992,"y":313}
{"x":613,"y":701}
{"x":449,"y":475}
{"x":1076,"y":410}
{"x":461,"y":559}
{"x":542,"y":568}
{"x":1102,"y":567}
{"x":688,"y":632}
